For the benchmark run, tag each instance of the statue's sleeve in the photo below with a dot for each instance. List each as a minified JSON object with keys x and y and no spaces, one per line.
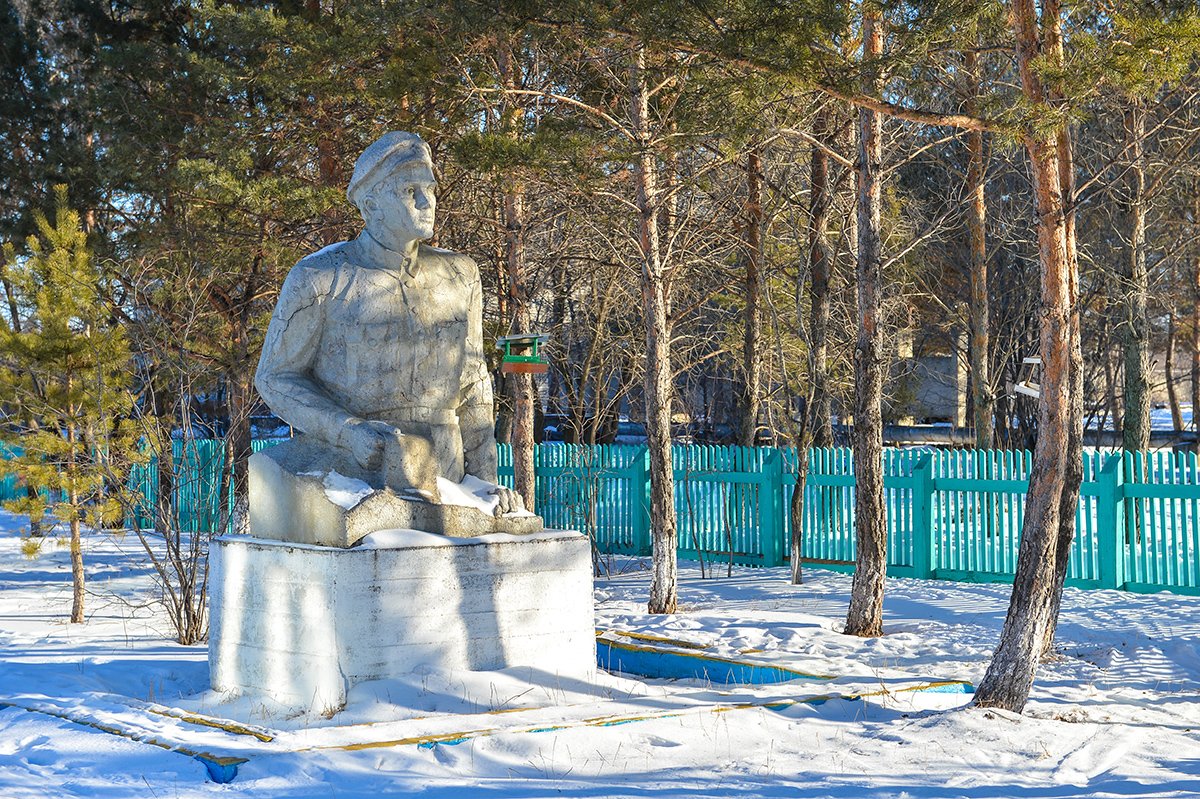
{"x":284,"y":377}
{"x":475,"y":413}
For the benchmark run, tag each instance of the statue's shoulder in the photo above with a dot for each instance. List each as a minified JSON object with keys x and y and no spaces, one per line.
{"x":455,"y":263}
{"x":319,"y":270}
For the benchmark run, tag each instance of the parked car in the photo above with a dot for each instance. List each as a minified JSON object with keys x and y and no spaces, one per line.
{"x":630,"y":433}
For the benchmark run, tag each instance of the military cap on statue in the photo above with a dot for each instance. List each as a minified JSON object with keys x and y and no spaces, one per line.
{"x":390,"y":152}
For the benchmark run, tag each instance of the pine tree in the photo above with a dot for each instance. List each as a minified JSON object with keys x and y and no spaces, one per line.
{"x":64,"y":373}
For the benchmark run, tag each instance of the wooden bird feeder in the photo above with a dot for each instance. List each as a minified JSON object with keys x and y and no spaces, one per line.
{"x":521,"y":354}
{"x":1028,"y":387}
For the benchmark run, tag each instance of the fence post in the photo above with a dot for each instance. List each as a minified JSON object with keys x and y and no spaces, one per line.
{"x":1110,"y":523}
{"x":923,"y":534}
{"x":639,"y":505}
{"x":770,"y":520}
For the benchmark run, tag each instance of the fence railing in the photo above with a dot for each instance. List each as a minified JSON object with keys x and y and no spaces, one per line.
{"x":952,"y":515}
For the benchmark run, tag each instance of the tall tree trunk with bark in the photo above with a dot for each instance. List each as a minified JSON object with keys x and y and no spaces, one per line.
{"x":239,"y":315}
{"x":1169,"y":369}
{"x":239,"y":399}
{"x":519,"y":386}
{"x":77,"y":575}
{"x":1046,"y":530}
{"x":1073,"y":468}
{"x":802,"y":439}
{"x":820,"y":258}
{"x":656,"y":315}
{"x":1135,"y":288}
{"x":1195,"y":340}
{"x":865,"y":616}
{"x":752,"y":291}
{"x":982,"y":402}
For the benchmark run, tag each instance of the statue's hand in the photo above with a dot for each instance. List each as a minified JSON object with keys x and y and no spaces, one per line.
{"x":365,"y":440}
{"x":509,"y":501}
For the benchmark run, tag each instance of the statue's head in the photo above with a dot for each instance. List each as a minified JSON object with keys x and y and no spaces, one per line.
{"x":393,"y":188}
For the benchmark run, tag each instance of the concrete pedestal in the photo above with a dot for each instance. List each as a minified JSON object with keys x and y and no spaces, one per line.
{"x":299,"y":624}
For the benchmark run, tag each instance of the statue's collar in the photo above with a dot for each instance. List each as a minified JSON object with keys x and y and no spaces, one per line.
{"x":375,"y":255}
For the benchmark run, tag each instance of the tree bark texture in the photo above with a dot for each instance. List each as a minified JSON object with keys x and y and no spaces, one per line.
{"x":982,"y":402}
{"x":752,"y":294}
{"x":241,"y":440}
{"x":77,"y":576}
{"x":1073,"y":469}
{"x":1169,"y":369}
{"x":657,"y":384}
{"x":865,"y":616}
{"x":1195,"y":341}
{"x":1045,"y":533}
{"x":796,"y":506}
{"x":1135,"y":288}
{"x":820,"y":258}
{"x":520,"y":387}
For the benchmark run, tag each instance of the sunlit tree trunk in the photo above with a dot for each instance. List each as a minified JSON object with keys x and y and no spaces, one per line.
{"x":519,"y":386}
{"x":656,"y":316}
{"x":1048,"y":526}
{"x":1135,"y":327}
{"x":865,"y":616}
{"x":982,"y":403}
{"x":77,"y":575}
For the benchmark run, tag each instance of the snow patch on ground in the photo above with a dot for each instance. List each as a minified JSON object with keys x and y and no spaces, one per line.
{"x":1115,"y":714}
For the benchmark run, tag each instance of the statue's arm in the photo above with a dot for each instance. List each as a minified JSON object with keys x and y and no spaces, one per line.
{"x":284,"y":377}
{"x":475,"y":412}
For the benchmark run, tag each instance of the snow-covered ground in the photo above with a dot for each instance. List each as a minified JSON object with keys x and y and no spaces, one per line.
{"x":1116,"y":715}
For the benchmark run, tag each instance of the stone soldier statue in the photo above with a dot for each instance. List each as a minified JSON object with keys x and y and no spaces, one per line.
{"x":375,"y":349}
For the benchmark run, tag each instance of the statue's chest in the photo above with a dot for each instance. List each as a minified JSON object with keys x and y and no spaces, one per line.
{"x":396,"y":334}
{"x":430,"y":306}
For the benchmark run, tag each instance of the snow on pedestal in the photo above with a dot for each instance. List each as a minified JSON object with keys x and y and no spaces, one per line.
{"x":299,"y":624}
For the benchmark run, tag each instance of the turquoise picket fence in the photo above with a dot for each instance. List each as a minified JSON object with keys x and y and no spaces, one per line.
{"x":197,"y":495}
{"x":602,"y":489}
{"x":10,"y":485}
{"x":953,"y":515}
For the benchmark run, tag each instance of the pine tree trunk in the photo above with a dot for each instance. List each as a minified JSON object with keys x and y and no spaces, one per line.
{"x":77,"y":577}
{"x":1073,"y":468}
{"x":1135,"y":288}
{"x":796,"y":510}
{"x":519,"y":387}
{"x":865,"y":616}
{"x":1111,"y":401}
{"x":982,"y":403}
{"x":241,"y":443}
{"x":657,"y":385}
{"x":1195,"y":340}
{"x":1169,"y":369}
{"x":752,"y":317}
{"x":1045,"y":532}
{"x":77,"y":585}
{"x":820,"y":259}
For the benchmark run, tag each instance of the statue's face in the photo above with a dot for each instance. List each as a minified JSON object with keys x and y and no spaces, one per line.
{"x":400,"y":208}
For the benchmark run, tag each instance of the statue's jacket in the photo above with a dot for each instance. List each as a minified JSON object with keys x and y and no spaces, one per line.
{"x":358,"y":334}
